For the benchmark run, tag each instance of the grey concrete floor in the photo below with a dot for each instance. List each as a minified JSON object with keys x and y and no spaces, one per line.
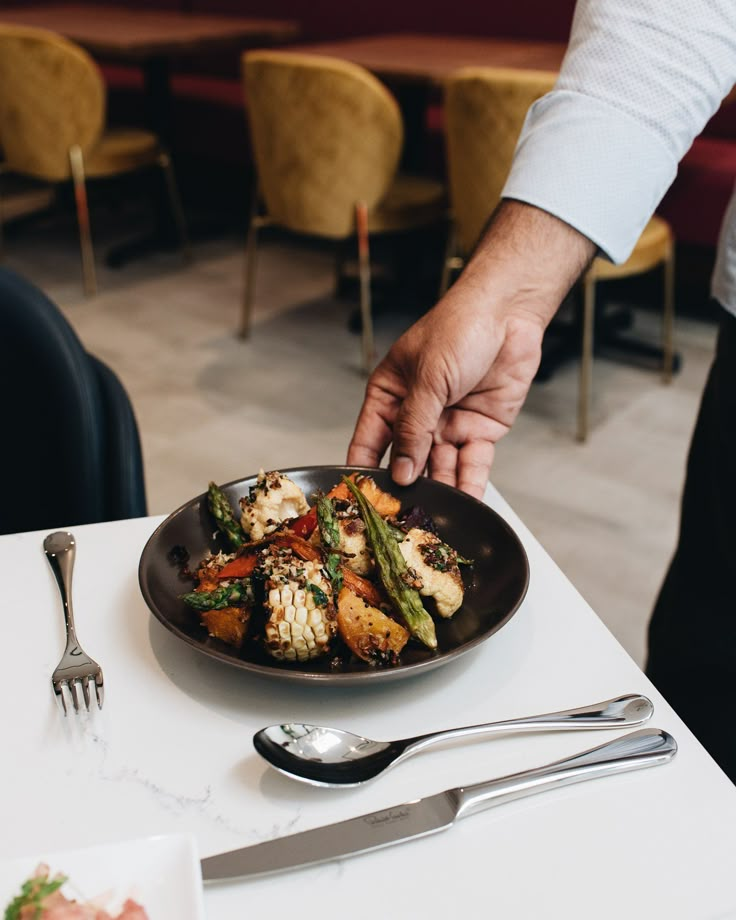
{"x":210,"y":406}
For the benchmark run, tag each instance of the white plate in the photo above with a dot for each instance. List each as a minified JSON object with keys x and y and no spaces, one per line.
{"x":161,"y":873}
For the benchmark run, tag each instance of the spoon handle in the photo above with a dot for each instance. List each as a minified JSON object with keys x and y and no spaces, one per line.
{"x":646,"y":748}
{"x":619,"y":712}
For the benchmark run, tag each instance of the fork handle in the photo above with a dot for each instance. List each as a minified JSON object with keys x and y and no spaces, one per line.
{"x":60,"y":549}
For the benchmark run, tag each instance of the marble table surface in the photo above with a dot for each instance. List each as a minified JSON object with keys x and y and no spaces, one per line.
{"x":171,"y":752}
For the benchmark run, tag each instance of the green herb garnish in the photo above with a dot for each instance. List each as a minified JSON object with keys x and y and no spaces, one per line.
{"x":32,"y":894}
{"x":329,"y":532}
{"x":320,"y":598}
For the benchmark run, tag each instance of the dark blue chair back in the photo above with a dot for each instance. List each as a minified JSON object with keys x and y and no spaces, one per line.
{"x":70,"y":450}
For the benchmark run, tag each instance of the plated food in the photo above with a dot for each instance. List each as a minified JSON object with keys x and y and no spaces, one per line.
{"x":350,"y":575}
{"x":493,"y":586}
{"x":43,"y":896}
{"x":156,"y":877}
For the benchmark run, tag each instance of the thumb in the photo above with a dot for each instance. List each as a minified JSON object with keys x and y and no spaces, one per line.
{"x":413,"y":433}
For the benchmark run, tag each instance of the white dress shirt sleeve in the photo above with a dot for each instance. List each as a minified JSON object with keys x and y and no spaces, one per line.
{"x":639,"y":82}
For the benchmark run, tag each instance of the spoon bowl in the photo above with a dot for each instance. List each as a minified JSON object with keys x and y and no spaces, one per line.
{"x":332,"y":757}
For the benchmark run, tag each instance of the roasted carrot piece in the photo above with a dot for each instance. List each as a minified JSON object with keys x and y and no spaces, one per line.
{"x":340,"y":490}
{"x":304,"y":526}
{"x":240,"y":567}
{"x":362,"y":587}
{"x":385,"y":503}
{"x":297,"y":545}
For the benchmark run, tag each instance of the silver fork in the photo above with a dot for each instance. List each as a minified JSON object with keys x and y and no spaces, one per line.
{"x":75,"y":667}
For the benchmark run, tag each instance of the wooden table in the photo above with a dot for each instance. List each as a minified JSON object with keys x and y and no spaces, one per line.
{"x":130,"y":35}
{"x":415,"y":66}
{"x":151,"y":40}
{"x":171,"y":752}
{"x":430,"y":59}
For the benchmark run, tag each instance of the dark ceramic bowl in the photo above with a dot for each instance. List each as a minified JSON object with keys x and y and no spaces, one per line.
{"x":495,"y":584}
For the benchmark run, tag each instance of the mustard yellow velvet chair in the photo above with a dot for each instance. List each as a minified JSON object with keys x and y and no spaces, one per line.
{"x":327,"y":137}
{"x":485,"y":110}
{"x":52,"y":124}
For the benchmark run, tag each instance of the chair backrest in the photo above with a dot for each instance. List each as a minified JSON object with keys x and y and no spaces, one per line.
{"x":326,"y":134}
{"x":485,"y":109}
{"x":52,"y":96}
{"x":71,"y":450}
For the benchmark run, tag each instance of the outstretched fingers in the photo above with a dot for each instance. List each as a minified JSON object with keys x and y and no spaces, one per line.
{"x":413,"y":435}
{"x":374,"y":427}
{"x":466,"y":467}
{"x":474,"y":466}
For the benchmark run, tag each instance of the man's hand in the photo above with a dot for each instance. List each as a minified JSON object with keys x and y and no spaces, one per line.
{"x":450,"y":387}
{"x":454,"y":383}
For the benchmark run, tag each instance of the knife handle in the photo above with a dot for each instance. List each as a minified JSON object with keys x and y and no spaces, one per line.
{"x":646,"y":748}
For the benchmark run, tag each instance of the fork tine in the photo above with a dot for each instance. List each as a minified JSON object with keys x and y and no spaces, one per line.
{"x":99,"y":689}
{"x":75,"y":694}
{"x":85,"y":691}
{"x":58,"y":693}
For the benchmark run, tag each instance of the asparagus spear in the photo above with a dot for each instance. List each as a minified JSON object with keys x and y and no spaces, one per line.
{"x":224,"y":596}
{"x":329,"y":533}
{"x":393,"y":572}
{"x":223,"y":515}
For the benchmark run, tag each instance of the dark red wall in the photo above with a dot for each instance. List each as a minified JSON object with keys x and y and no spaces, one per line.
{"x":324,"y":19}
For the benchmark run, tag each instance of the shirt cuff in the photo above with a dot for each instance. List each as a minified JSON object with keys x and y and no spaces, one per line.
{"x":593,"y":166}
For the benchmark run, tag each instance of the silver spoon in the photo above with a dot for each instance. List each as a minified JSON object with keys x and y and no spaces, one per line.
{"x":332,"y":757}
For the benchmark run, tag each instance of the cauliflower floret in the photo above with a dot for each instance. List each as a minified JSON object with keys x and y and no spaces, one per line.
{"x":273,"y":500}
{"x":435,"y":565}
{"x":354,"y":544}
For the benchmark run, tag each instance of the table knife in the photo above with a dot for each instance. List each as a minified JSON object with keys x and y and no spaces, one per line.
{"x":646,"y":748}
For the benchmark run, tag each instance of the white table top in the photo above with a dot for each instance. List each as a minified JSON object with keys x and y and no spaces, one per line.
{"x":171,"y":751}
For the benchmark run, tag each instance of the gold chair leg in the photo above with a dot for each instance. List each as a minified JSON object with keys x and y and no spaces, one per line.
{"x":177,"y":209}
{"x":364,"y":260}
{"x":668,"y":317}
{"x":453,"y":262}
{"x":249,"y":266}
{"x":449,"y":254}
{"x":76,"y":161}
{"x":586,"y":358}
{"x":249,"y":274}
{"x":2,"y":233}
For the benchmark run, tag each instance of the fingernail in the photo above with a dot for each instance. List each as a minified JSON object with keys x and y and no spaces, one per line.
{"x":402,"y":470}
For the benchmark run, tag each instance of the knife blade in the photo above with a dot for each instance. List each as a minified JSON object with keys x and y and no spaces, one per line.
{"x":420,"y":817}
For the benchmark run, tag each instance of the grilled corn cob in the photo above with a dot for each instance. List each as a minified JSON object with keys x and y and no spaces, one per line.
{"x":299,"y":607}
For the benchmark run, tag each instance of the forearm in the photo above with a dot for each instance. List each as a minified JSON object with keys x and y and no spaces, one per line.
{"x":639,"y":81}
{"x":525,"y":264}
